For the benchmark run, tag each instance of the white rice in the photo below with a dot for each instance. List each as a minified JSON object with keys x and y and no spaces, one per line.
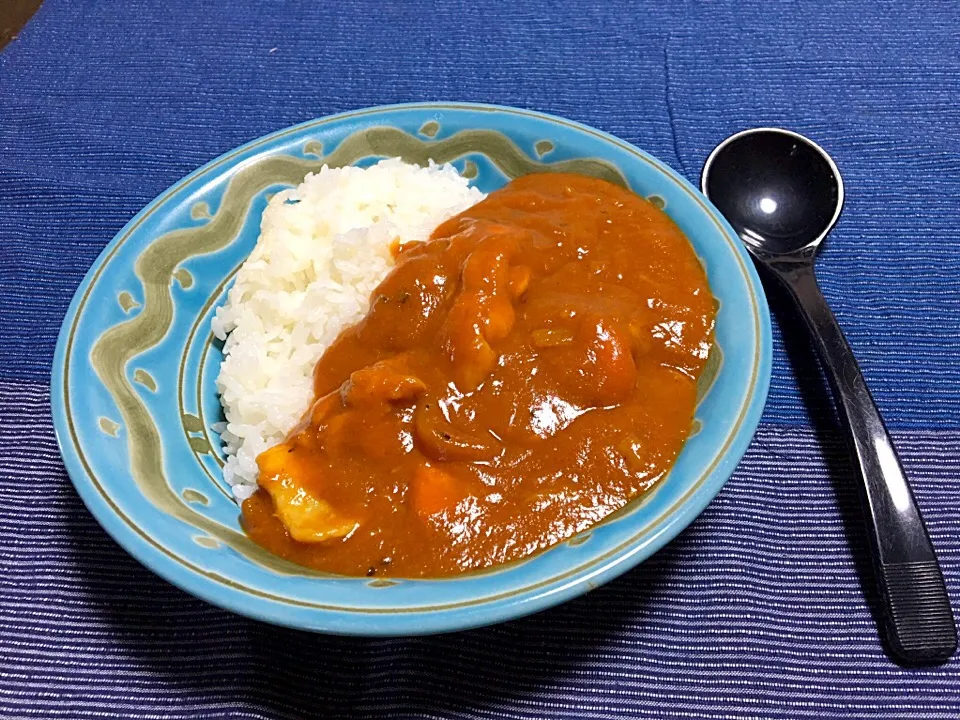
{"x":323,"y":248}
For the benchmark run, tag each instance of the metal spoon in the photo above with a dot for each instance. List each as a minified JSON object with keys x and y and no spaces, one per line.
{"x":782,"y":194}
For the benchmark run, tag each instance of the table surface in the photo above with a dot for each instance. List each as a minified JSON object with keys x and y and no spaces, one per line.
{"x":13,"y":16}
{"x":759,"y":608}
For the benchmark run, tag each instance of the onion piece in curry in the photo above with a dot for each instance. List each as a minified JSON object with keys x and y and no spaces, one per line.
{"x":526,"y":372}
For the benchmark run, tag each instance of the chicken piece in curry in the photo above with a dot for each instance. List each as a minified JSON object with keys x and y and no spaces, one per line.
{"x":528,"y":371}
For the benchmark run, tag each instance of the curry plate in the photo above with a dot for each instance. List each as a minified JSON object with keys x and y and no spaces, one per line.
{"x":133,"y":391}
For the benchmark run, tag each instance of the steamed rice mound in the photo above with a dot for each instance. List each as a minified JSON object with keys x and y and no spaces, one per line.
{"x":323,"y":248}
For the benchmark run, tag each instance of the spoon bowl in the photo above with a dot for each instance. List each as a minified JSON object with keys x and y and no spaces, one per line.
{"x":781,"y":192}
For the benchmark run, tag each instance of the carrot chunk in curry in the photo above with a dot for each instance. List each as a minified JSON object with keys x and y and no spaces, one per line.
{"x":527,"y":371}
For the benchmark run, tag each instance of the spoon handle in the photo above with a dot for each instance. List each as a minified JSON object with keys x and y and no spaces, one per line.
{"x":919,"y":623}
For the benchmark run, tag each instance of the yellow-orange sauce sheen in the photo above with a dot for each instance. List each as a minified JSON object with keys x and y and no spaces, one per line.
{"x":520,"y":376}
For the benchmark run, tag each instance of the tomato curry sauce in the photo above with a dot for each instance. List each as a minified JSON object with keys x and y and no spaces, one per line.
{"x":523,"y":374}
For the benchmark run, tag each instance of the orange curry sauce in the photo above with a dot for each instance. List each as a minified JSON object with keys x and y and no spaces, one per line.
{"x":520,"y":376}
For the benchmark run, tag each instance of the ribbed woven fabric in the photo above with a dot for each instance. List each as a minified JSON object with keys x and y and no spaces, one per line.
{"x":758,"y":609}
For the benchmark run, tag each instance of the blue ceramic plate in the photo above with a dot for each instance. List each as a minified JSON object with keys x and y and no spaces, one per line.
{"x":133,"y":378}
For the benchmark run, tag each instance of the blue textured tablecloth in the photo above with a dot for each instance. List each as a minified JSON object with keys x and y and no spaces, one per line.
{"x":757,"y":610}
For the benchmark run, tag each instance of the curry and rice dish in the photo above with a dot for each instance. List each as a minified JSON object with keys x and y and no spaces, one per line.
{"x":517,"y":375}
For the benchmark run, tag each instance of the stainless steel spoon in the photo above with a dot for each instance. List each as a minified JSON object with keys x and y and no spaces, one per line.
{"x":782,"y":194}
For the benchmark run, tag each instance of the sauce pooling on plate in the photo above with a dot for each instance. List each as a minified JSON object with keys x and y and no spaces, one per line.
{"x":527,"y":371}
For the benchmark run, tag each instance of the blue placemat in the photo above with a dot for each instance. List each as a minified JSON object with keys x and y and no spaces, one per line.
{"x":757,"y":610}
